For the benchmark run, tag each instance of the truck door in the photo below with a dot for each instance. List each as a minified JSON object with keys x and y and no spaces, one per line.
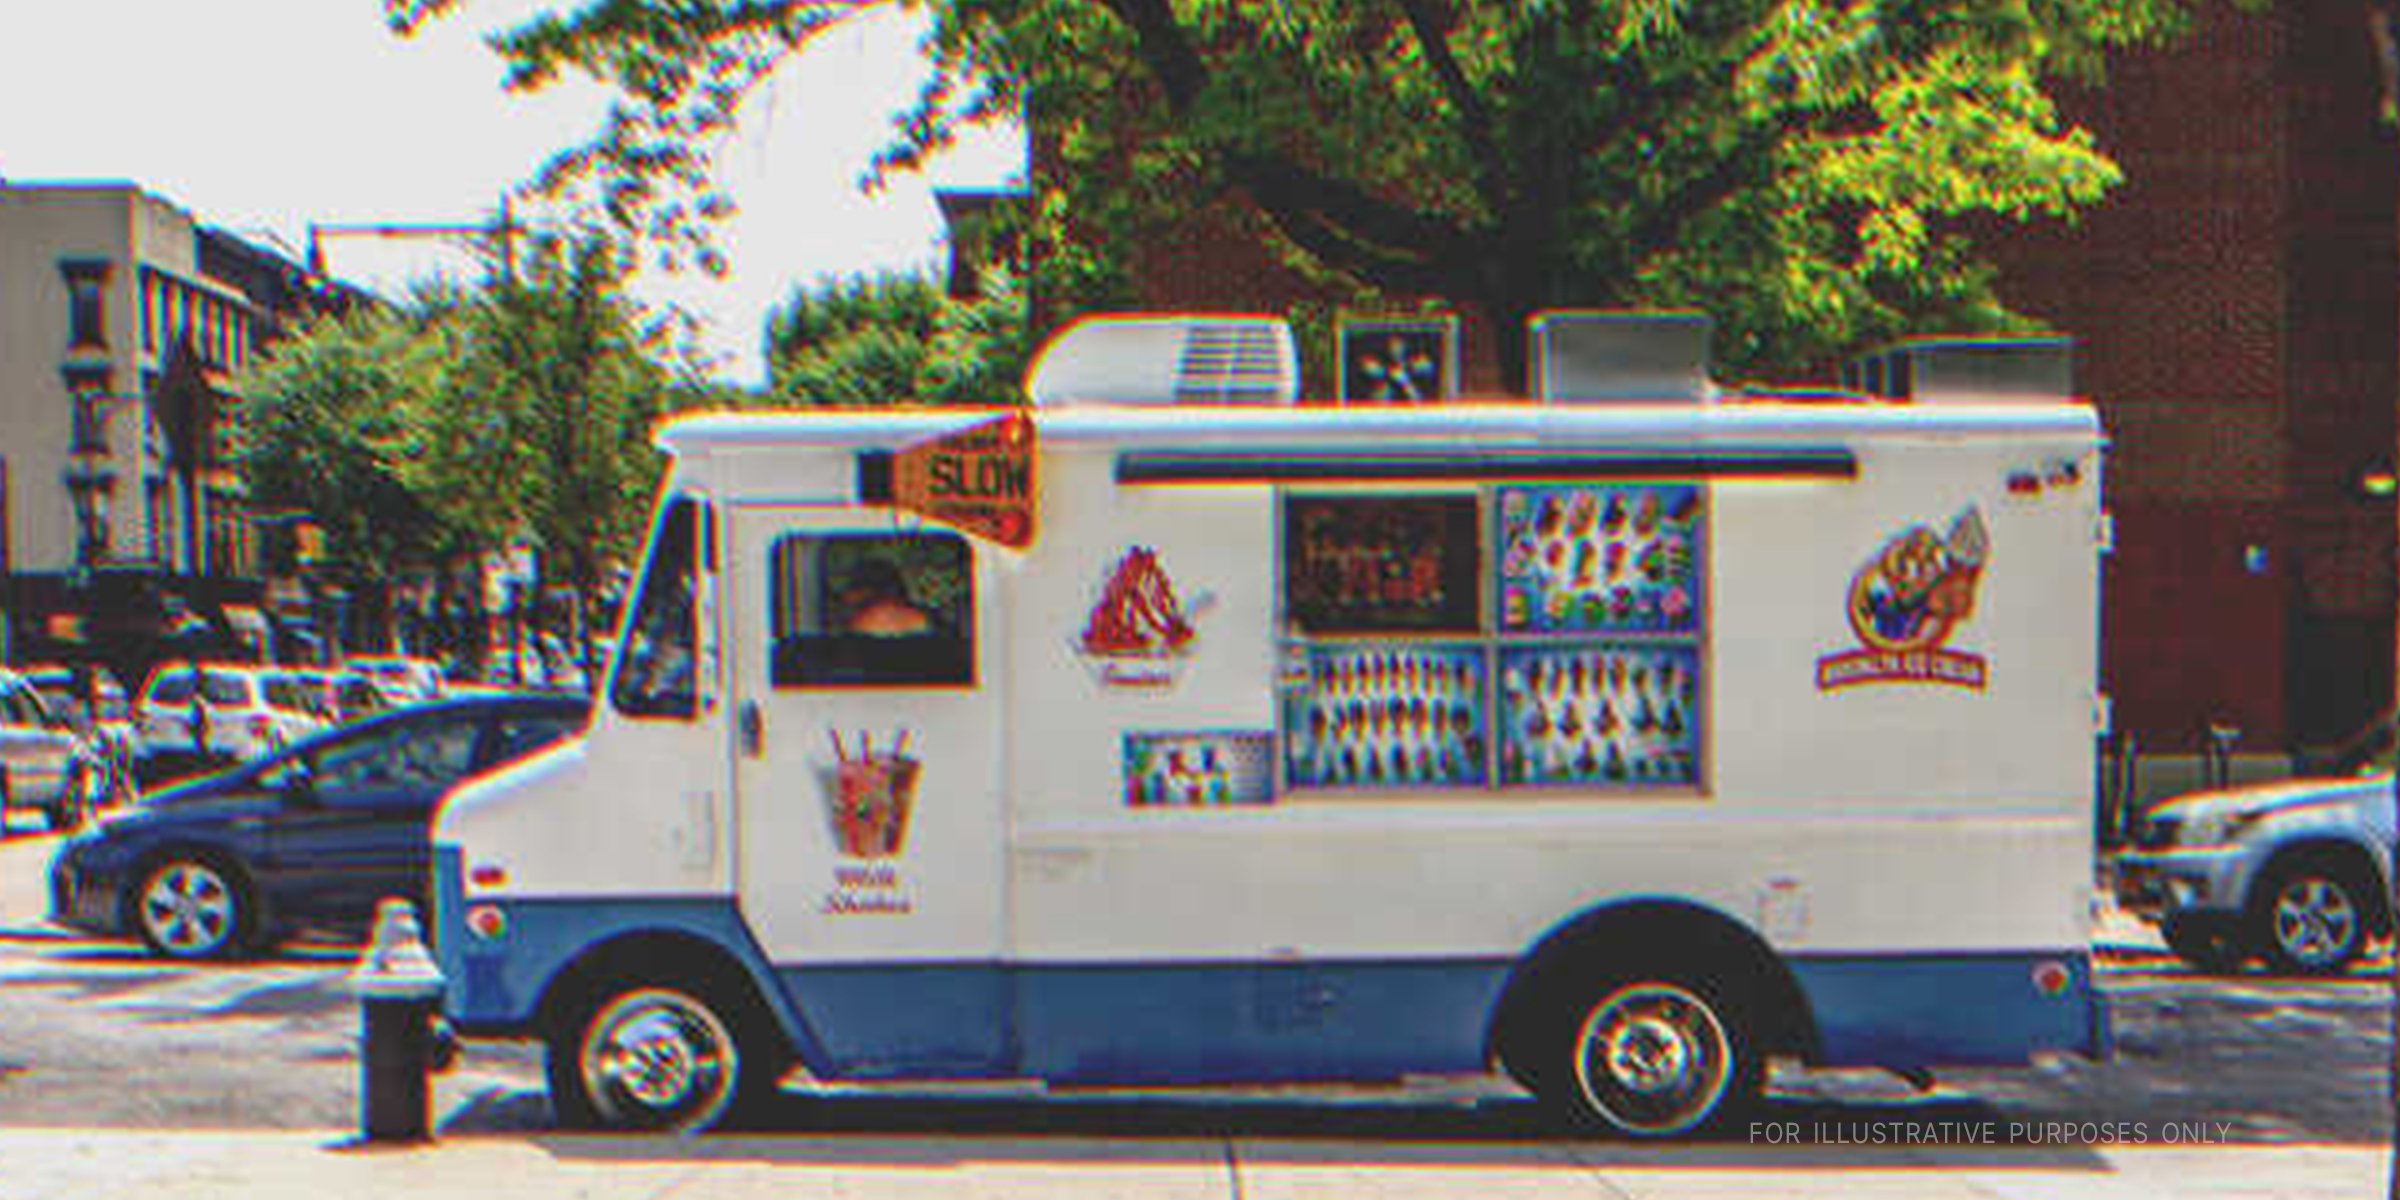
{"x":866,"y":724}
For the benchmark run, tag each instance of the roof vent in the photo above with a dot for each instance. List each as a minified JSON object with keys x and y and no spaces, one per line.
{"x":1163,"y":359}
{"x":1981,"y":370}
{"x":1614,"y":357}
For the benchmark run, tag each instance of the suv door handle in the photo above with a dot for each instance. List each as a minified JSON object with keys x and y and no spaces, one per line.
{"x":753,"y":730}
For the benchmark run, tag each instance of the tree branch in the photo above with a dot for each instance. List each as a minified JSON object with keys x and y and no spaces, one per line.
{"x":1350,"y":229}
{"x":1475,"y":118}
{"x":1159,"y":40}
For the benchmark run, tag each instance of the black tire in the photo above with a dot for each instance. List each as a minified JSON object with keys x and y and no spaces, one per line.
{"x":193,"y":906}
{"x":689,"y":1054}
{"x":1650,"y":1054}
{"x":2208,"y":949}
{"x":2310,"y":916}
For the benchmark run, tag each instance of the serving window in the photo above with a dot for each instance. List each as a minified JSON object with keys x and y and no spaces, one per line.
{"x":866,"y":610}
{"x":1583,"y":670}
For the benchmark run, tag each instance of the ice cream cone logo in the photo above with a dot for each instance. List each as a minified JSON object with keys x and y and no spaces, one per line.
{"x":1907,"y":601}
{"x":871,"y":796}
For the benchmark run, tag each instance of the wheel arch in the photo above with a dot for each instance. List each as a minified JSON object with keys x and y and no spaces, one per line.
{"x":665,"y":953}
{"x":1659,"y":929}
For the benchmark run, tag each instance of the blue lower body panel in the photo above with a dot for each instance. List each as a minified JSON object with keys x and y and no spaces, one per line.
{"x":1951,"y":1010}
{"x":1159,"y":1023}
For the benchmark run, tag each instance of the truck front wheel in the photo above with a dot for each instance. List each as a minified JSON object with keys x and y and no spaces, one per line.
{"x":1655,"y":1057}
{"x":653,"y":1057}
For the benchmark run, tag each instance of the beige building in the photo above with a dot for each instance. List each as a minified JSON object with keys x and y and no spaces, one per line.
{"x":123,"y":326}
{"x":117,"y":351}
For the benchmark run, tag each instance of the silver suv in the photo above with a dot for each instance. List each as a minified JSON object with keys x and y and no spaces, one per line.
{"x":38,"y":752}
{"x":2296,"y":873}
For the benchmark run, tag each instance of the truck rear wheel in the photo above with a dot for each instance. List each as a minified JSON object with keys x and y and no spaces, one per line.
{"x":679,"y":1057}
{"x":1654,"y":1055}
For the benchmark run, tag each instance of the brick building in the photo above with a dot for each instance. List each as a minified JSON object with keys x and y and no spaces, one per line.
{"x":2235,"y":311}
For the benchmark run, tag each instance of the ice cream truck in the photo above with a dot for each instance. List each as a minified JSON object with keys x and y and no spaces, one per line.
{"x":1170,"y":731}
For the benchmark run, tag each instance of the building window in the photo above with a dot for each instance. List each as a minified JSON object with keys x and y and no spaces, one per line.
{"x":87,"y":327}
{"x":91,"y":432}
{"x":149,"y":312}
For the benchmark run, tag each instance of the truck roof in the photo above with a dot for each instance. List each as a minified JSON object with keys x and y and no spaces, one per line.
{"x":1315,"y":426}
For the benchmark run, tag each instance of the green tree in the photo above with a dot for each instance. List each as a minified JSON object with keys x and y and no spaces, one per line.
{"x":898,"y":339}
{"x":327,"y":427}
{"x":1807,"y":171}
{"x":543,"y":429}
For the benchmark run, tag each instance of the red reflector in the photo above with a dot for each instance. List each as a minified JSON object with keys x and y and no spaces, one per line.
{"x":487,"y":922}
{"x":486,"y":875}
{"x":2051,"y":978}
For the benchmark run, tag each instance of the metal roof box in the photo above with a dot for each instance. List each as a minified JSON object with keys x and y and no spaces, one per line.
{"x":1969,"y":370}
{"x":1617,"y":357}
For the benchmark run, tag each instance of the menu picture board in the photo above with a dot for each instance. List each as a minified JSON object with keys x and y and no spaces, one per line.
{"x":1382,"y":564}
{"x":1614,"y":558}
{"x":1200,"y":769}
{"x":1387,"y":716}
{"x":1610,"y":713}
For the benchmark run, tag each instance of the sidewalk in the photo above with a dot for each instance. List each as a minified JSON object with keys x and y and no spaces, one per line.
{"x":81,"y":1164}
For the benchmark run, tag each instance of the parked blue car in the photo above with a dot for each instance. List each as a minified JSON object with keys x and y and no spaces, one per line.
{"x":305,"y":839}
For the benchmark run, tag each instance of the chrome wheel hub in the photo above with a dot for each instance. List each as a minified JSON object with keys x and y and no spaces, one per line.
{"x":1653,"y":1059}
{"x":188,"y":908}
{"x":2315,"y":923}
{"x":658,"y":1059}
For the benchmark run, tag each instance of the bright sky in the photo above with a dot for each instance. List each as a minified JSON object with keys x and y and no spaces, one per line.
{"x":264,"y":116}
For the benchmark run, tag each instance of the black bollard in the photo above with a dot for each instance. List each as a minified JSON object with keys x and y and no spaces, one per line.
{"x":398,"y":987}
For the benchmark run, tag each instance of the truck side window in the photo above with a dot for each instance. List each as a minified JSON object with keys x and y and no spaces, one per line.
{"x":869,"y":610}
{"x":655,"y":669}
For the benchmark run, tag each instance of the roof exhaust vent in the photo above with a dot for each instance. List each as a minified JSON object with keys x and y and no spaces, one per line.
{"x":1619,"y":357}
{"x":1167,"y":359}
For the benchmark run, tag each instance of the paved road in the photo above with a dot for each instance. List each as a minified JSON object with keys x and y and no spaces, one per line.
{"x":97,"y":1034}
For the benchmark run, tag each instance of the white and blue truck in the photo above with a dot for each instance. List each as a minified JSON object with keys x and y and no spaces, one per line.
{"x":1168,"y":731}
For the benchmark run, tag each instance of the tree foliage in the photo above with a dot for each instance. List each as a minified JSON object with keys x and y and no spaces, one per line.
{"x":897,"y":338}
{"x":1808,"y":171}
{"x":327,"y":430}
{"x":465,"y":420}
{"x":547,"y":432}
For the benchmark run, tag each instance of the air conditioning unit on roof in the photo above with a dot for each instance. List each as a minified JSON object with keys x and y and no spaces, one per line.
{"x":1167,"y":359}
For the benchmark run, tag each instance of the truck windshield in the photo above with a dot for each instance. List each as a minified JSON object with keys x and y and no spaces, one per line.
{"x":656,"y":665}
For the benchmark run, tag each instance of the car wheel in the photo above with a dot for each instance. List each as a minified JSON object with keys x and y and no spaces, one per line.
{"x":656,"y":1058}
{"x":2210,"y":951}
{"x":192,"y":907}
{"x":2310,"y":917}
{"x":1654,"y":1055}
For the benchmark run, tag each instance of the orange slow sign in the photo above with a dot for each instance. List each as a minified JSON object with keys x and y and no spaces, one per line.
{"x":979,"y":479}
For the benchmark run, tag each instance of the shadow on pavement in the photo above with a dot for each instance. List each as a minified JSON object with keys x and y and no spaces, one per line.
{"x":921,"y":1130}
